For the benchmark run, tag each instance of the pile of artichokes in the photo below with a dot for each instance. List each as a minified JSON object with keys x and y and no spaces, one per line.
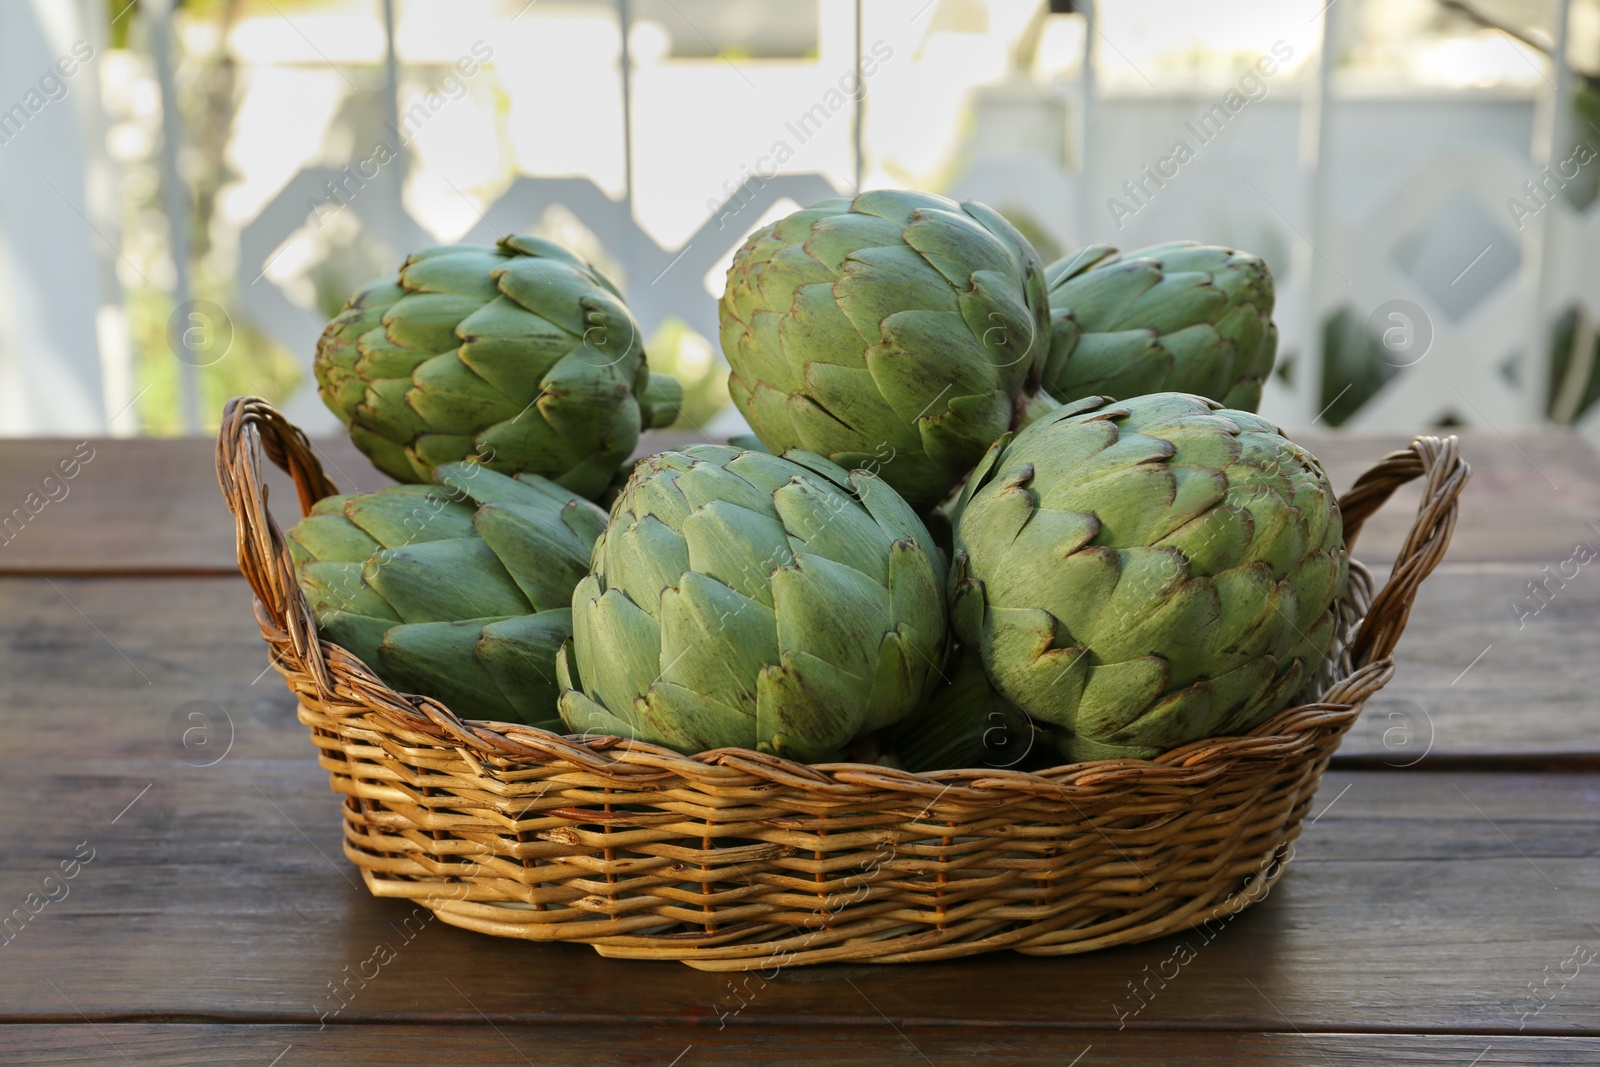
{"x":995,"y":513}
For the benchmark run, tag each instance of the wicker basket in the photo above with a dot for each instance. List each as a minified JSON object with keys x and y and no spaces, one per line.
{"x":733,"y":860}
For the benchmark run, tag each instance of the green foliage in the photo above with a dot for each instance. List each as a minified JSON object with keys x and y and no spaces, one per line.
{"x":1353,"y":366}
{"x":255,"y":364}
{"x":677,"y":350}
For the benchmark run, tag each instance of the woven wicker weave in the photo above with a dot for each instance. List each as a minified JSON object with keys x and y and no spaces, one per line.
{"x":732,"y":860}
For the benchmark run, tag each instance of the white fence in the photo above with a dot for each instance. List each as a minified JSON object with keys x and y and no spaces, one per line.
{"x":1401,"y":210}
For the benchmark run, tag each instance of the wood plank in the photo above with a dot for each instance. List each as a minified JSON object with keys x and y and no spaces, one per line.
{"x":134,"y":504}
{"x":115,"y":659}
{"x":137,"y":505}
{"x":103,"y":666}
{"x":1416,"y":903}
{"x":1531,"y":497}
{"x":153,"y":505}
{"x":1487,"y":668}
{"x":180,"y":1045}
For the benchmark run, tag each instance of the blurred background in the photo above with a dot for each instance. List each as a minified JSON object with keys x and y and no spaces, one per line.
{"x":188,"y":191}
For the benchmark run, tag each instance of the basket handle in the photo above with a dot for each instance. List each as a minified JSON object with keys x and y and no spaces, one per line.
{"x":1439,"y":462}
{"x":251,"y":427}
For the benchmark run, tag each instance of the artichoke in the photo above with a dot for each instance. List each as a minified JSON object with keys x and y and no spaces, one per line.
{"x":901,"y":332}
{"x":464,"y":603}
{"x":522,"y":357}
{"x":1182,"y":317}
{"x":743,"y":599}
{"x":1141,"y":574}
{"x":964,"y":724}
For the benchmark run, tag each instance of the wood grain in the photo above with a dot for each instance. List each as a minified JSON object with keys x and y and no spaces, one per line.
{"x":181,"y":1045}
{"x":1531,"y":497}
{"x":117,"y":658}
{"x":153,"y":506}
{"x":1415,"y":903}
{"x":107,"y":663}
{"x":1487,"y":668}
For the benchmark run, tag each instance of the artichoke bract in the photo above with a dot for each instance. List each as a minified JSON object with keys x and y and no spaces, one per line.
{"x":899,"y":332}
{"x":1179,"y":317}
{"x":964,"y":724}
{"x":748,"y":600}
{"x":1140,"y":574}
{"x":521,"y":356}
{"x":460,"y":591}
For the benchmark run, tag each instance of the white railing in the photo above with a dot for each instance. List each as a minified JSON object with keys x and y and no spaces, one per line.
{"x":1359,"y":204}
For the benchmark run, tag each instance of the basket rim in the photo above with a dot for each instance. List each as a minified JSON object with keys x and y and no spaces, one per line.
{"x":1371,"y":625}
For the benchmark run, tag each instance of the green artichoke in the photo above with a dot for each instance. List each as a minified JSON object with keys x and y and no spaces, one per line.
{"x":522,"y":357}
{"x":464,"y":603}
{"x":1181,"y":317}
{"x":964,"y":724}
{"x":901,"y":332}
{"x":1145,"y":573}
{"x":742,"y":599}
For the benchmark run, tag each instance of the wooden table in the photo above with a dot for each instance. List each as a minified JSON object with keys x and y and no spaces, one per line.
{"x":1446,"y":886}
